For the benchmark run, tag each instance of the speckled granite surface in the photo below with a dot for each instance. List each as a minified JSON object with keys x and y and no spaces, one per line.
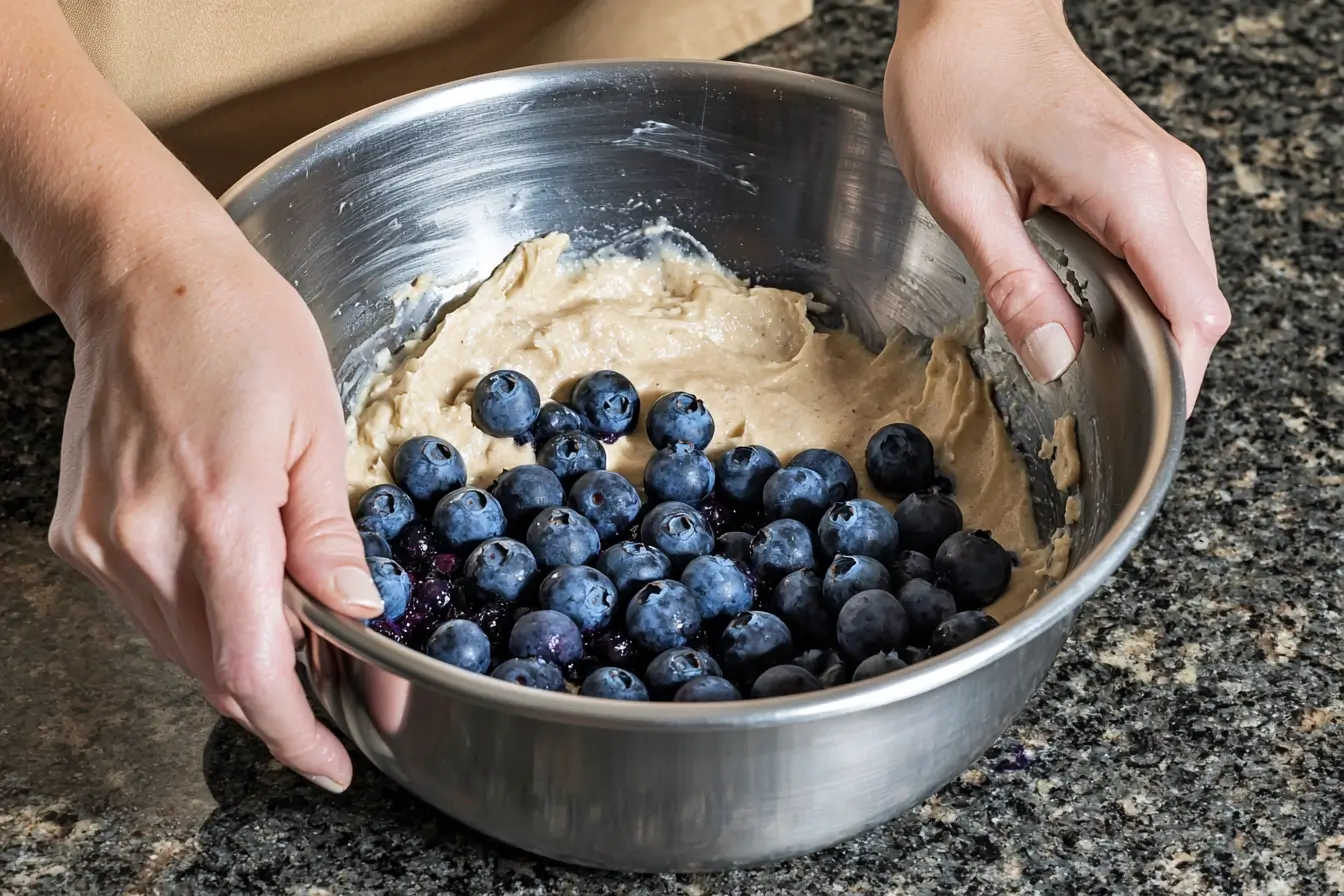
{"x":1190,"y":739}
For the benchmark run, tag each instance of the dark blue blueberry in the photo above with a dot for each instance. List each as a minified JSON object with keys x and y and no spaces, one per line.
{"x":427,"y":468}
{"x":467,"y":517}
{"x":679,"y":472}
{"x":607,"y":500}
{"x":841,"y":483}
{"x":720,"y":586}
{"x":962,"y":628}
{"x":607,"y":402}
{"x":926,"y":520}
{"x":631,"y":565}
{"x":611,"y":683}
{"x":547,"y":635}
{"x":504,"y":403}
{"x":826,"y":665}
{"x":499,"y":569}
{"x":530,"y":672}
{"x":741,"y":473}
{"x":859,"y":527}
{"x":678,"y":530}
{"x":797,"y":600}
{"x":554,"y":419}
{"x":848,"y":575}
{"x":394,"y":586}
{"x":871,"y":622}
{"x":461,"y":643}
{"x":375,"y":545}
{"x":878,"y":664}
{"x":616,"y":649}
{"x":669,"y":670}
{"x":780,"y":548}
{"x":707,"y":689}
{"x":795,"y":493}
{"x":525,"y":491}
{"x":580,"y":669}
{"x":496,"y":620}
{"x":581,"y":593}
{"x":735,"y":546}
{"x":679,"y":417}
{"x":561,"y":536}
{"x":434,"y":600}
{"x":571,"y":454}
{"x":926,"y":607}
{"x":912,"y":655}
{"x":910,"y":565}
{"x":415,"y":547}
{"x":974,"y":567}
{"x":784,"y":681}
{"x":662,"y":615}
{"x":752,"y":643}
{"x":385,"y":509}
{"x":900,"y":460}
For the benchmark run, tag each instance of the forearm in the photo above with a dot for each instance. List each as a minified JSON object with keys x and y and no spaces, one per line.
{"x":912,"y":12}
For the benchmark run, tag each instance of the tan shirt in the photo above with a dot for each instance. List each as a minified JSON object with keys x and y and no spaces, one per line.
{"x":227,"y":83}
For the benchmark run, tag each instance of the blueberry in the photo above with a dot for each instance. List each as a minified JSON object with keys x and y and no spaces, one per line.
{"x":859,"y":527}
{"x":911,"y":654}
{"x":547,"y":635}
{"x":671,"y":669}
{"x":848,"y":575}
{"x":385,"y":509}
{"x":611,"y":683}
{"x":797,"y":600}
{"x":780,"y":548}
{"x":581,"y":593}
{"x":678,"y":530}
{"x":577,"y":671}
{"x":415,"y":547}
{"x":707,"y":689}
{"x":554,"y":419}
{"x":871,"y":622}
{"x":530,"y":672}
{"x":466,"y":517}
{"x":960,"y":629}
{"x":796,"y":493}
{"x":826,"y":665}
{"x":427,"y":468}
{"x":571,"y":454}
{"x":662,"y":615}
{"x":752,"y":643}
{"x":974,"y":567}
{"x":841,"y":483}
{"x":461,"y":643}
{"x":524,"y":491}
{"x":607,"y":402}
{"x":616,"y":649}
{"x":607,"y":500}
{"x":496,"y":620}
{"x":499,"y":569}
{"x":784,"y":681}
{"x":679,"y":417}
{"x":631,"y":565}
{"x":504,"y":403}
{"x":735,"y":546}
{"x":375,"y":545}
{"x":900,"y":460}
{"x":742,"y":473}
{"x":878,"y":664}
{"x":394,"y":586}
{"x":720,"y":586}
{"x":561,"y":536}
{"x":679,"y":472}
{"x":926,"y":607}
{"x":926,"y":520}
{"x":910,"y":565}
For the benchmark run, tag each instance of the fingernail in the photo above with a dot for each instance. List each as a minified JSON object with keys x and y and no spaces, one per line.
{"x":327,"y":784}
{"x":1048,"y":352}
{"x":358,"y":589}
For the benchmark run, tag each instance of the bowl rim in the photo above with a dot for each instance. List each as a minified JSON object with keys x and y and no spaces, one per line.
{"x":1158,"y":350}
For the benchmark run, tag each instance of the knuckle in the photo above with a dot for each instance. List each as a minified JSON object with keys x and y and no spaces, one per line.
{"x":73,"y":540}
{"x":1016,"y":293}
{"x":243,"y":678}
{"x":1213,"y":322}
{"x":1189,"y":165}
{"x":1140,"y":160}
{"x":133,"y":528}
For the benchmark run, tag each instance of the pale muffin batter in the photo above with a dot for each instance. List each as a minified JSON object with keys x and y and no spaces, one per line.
{"x":750,"y":353}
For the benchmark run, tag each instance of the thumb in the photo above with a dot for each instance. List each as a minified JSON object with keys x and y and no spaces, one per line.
{"x":1026,"y":296}
{"x":324,"y":553}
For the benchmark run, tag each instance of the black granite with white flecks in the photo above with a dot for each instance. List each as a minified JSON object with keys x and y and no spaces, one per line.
{"x":1189,"y":740}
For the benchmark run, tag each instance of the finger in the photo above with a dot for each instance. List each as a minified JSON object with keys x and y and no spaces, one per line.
{"x":324,"y":553}
{"x":1041,"y":321}
{"x":240,"y":567}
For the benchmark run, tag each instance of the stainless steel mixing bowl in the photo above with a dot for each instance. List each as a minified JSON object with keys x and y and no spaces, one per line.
{"x":786,"y":178}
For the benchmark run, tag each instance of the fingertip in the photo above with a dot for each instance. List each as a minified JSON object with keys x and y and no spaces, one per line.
{"x":1038,"y":317}
{"x":352,"y":592}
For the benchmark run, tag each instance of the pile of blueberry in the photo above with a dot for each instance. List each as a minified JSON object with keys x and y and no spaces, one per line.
{"x":739,"y":577}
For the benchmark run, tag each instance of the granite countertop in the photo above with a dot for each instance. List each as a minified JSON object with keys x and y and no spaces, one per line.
{"x":1190,"y":738}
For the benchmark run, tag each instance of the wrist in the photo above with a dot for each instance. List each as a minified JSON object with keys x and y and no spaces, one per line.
{"x":913,"y":12}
